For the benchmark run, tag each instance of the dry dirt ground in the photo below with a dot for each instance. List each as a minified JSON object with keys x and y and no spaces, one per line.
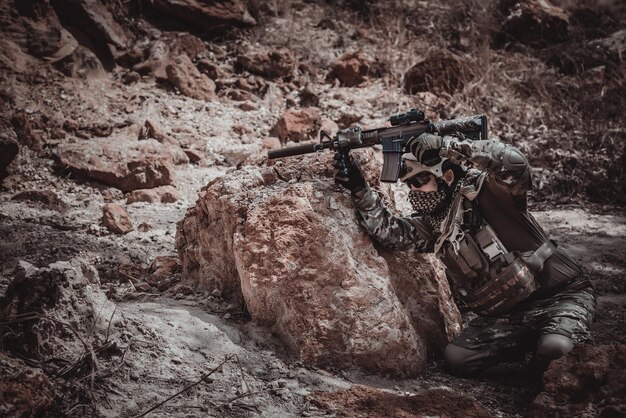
{"x":168,"y":340}
{"x":171,"y":339}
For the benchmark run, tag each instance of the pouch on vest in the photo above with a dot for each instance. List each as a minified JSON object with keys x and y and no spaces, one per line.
{"x":468,"y":263}
{"x":509,"y":287}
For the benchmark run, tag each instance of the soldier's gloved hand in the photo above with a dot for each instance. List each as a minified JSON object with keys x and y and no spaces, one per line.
{"x":349,"y":174}
{"x":423,"y":144}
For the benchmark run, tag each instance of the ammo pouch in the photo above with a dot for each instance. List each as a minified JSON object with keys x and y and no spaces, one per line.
{"x":512,"y":284}
{"x":502,"y":279}
{"x":491,"y":280}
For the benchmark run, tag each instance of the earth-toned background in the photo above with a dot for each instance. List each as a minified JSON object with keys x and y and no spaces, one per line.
{"x":149,"y":251}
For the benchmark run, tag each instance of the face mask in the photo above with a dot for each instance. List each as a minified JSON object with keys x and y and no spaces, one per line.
{"x":432,"y":205}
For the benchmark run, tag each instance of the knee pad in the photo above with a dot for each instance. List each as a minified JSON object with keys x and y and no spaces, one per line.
{"x":553,"y":346}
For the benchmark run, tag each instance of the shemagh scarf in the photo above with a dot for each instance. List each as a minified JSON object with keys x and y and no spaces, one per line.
{"x":434,"y":206}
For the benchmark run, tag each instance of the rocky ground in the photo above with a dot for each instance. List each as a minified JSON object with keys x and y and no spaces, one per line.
{"x":115,"y":115}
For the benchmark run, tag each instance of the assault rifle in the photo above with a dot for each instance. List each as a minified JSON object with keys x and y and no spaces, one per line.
{"x":393,"y":139}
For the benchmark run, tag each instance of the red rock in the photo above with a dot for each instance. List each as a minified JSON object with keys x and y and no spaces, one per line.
{"x":536,"y":23}
{"x":163,"y":194}
{"x":164,"y":265}
{"x":153,"y":130}
{"x":194,"y":155}
{"x":212,"y":70}
{"x":115,"y":219}
{"x":122,"y":164}
{"x":24,"y":390}
{"x":163,"y":272}
{"x":240,"y":95}
{"x":351,"y":69}
{"x":248,"y":106}
{"x":184,"y":75}
{"x":270,"y":64}
{"x":298,"y":125}
{"x":364,"y":401}
{"x":589,"y":381}
{"x":287,"y":242}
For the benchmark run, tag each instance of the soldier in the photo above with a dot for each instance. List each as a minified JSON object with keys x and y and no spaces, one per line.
{"x":470,"y":208}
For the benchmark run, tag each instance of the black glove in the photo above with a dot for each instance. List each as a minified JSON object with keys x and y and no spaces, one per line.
{"x":349,"y":174}
{"x":426,"y":143}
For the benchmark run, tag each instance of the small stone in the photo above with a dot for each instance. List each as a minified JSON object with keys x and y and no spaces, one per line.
{"x":115,"y":219}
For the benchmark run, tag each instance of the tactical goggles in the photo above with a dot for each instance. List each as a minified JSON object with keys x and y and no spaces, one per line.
{"x":417,"y":174}
{"x":420,"y":179}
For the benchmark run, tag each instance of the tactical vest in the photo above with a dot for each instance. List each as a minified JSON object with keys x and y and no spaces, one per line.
{"x":490,"y":279}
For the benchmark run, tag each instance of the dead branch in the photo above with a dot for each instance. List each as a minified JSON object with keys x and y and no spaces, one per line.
{"x":187,"y":387}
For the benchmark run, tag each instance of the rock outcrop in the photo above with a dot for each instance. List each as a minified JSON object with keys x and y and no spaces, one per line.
{"x":350,"y":69}
{"x":286,"y":242}
{"x":121,"y":164}
{"x":298,"y":125}
{"x":587,"y":382}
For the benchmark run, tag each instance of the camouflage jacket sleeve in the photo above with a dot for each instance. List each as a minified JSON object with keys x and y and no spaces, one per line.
{"x":393,"y":232}
{"x":504,"y":163}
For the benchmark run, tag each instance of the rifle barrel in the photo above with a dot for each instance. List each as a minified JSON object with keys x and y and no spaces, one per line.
{"x":297,"y":150}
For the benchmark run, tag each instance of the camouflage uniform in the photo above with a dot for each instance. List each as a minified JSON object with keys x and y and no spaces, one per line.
{"x":565,"y":301}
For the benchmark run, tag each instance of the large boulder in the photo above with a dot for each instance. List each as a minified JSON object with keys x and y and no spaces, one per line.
{"x":286,"y":242}
{"x":587,"y":382}
{"x":125,"y":165}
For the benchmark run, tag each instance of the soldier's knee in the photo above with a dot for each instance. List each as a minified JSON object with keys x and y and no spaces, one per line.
{"x":458,"y":359}
{"x":553,"y":346}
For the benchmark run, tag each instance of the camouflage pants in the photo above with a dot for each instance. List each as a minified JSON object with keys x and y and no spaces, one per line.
{"x":509,"y":337}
